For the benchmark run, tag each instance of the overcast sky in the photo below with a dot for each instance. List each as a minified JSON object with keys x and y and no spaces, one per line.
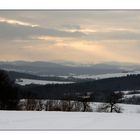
{"x":74,"y":36}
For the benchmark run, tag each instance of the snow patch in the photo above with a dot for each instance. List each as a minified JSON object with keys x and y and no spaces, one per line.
{"x":40,"y":82}
{"x":101,"y":76}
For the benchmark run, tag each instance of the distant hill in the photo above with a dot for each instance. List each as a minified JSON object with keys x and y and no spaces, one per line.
{"x":19,"y":75}
{"x":98,"y":88}
{"x":57,"y":69}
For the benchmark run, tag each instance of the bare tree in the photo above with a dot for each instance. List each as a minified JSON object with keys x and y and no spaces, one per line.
{"x":111,"y":104}
{"x":86,"y":104}
{"x":39,"y":105}
{"x":30,"y":104}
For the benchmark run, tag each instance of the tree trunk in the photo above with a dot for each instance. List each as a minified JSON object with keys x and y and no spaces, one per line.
{"x":111,"y":109}
{"x":84,"y":104}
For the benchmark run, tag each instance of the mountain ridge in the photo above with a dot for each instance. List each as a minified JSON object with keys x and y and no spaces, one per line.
{"x":51,"y":68}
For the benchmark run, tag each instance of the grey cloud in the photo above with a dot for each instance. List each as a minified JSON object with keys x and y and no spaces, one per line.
{"x":71,"y":26}
{"x":8,"y":31}
{"x":114,"y":35}
{"x":72,"y":20}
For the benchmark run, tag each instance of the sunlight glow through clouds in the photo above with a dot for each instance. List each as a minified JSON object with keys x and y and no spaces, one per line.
{"x":10,"y":21}
{"x":83,"y":50}
{"x":76,"y":36}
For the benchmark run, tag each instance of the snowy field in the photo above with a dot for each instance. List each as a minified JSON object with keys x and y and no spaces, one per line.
{"x":102,"y":76}
{"x":68,"y":120}
{"x":35,"y":120}
{"x":131,"y":95}
{"x":40,"y":82}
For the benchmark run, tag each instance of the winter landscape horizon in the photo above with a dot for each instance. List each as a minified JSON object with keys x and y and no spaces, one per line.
{"x":69,"y":70}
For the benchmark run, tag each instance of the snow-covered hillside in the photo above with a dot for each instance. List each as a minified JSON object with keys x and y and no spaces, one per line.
{"x":131,"y":95}
{"x":40,"y":82}
{"x":35,"y":120}
{"x":102,"y":76}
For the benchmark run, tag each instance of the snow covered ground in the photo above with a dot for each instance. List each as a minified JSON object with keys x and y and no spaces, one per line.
{"x":41,"y":82}
{"x":128,"y":91}
{"x":102,"y":76}
{"x":131,"y":95}
{"x":68,"y":120}
{"x":35,"y":120}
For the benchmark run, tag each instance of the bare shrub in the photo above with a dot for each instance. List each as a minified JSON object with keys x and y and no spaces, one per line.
{"x":106,"y":107}
{"x":111,"y":103}
{"x":39,"y":105}
{"x":30,"y":104}
{"x":76,"y":106}
{"x":49,"y":105}
{"x":54,"y":105}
